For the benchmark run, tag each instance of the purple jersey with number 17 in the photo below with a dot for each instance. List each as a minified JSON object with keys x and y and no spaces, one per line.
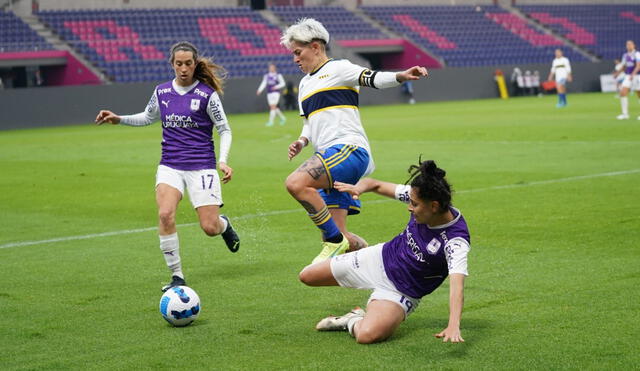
{"x":415,"y":260}
{"x":186,"y":128}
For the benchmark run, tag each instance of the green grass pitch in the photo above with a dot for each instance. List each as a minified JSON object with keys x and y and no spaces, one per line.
{"x":552,"y":199}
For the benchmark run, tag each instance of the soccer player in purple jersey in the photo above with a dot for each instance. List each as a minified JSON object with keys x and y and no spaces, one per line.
{"x":189,"y":107}
{"x":273,"y":81}
{"x":432,"y":246}
{"x":631,"y":62}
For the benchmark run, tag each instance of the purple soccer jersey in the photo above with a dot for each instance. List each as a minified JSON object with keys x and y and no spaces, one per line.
{"x":415,"y":260}
{"x":272,"y":82}
{"x":630,"y":60}
{"x":186,"y":128}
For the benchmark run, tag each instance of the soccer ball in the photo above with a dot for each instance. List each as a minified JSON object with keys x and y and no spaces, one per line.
{"x":180,"y":306}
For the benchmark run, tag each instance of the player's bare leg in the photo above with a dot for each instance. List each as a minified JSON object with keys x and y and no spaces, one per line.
{"x":355,"y":242}
{"x":303,"y":184}
{"x":381,"y":320}
{"x":213,"y":224}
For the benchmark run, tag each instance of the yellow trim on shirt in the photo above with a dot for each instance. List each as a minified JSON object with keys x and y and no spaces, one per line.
{"x":330,"y":107}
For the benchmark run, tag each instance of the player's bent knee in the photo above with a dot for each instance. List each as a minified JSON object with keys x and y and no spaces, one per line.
{"x":294,"y":186}
{"x":306,"y":276}
{"x":211,"y":228}
{"x":368,"y":335}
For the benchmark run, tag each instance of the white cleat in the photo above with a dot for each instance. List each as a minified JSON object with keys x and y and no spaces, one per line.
{"x":333,"y":323}
{"x":622,"y":117}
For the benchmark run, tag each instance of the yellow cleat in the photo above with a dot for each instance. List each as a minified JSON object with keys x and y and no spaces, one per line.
{"x":330,"y":250}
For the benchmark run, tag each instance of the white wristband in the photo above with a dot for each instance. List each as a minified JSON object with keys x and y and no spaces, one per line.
{"x":301,"y":142}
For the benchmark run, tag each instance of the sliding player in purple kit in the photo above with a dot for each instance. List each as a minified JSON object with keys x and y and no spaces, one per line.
{"x":432,"y":246}
{"x":328,"y":100}
{"x":189,"y":108}
{"x":273,"y":81}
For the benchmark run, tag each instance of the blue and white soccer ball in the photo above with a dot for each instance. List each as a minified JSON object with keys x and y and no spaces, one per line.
{"x":180,"y":306}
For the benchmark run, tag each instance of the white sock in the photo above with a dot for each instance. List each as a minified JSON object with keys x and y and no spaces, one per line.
{"x":272,"y":114}
{"x":352,"y":323}
{"x":225,"y":224}
{"x":624,"y":103}
{"x":170,"y":247}
{"x":279,"y":113}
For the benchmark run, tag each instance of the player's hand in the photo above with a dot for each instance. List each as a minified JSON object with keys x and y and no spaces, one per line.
{"x":349,"y":188}
{"x":450,"y":334}
{"x":569,"y":78}
{"x":257,"y":92}
{"x":295,"y":148}
{"x":413,"y":73}
{"x":107,"y":116}
{"x":227,"y":172}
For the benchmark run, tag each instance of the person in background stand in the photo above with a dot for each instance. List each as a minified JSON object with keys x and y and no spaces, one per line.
{"x":273,"y":81}
{"x":407,"y":89}
{"x":289,"y":94}
{"x":631,"y":63}
{"x":561,"y":69}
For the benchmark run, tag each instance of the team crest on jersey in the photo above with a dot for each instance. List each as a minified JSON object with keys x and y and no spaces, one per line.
{"x":195,"y":104}
{"x":433,"y":246}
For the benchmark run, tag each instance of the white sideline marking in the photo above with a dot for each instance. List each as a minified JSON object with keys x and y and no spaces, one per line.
{"x":280,"y":212}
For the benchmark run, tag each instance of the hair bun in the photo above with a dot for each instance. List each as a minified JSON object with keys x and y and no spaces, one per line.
{"x":429,"y":167}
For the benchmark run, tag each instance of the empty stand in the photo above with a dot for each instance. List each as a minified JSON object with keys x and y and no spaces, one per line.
{"x":133,"y":45}
{"x":470,"y":36}
{"x":603,"y":29}
{"x":341,"y":23}
{"x":17,"y":36}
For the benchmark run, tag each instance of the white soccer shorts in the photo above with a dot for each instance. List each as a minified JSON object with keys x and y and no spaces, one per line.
{"x":633,"y":85}
{"x":273,"y":98}
{"x":203,"y":186}
{"x":364,"y":269}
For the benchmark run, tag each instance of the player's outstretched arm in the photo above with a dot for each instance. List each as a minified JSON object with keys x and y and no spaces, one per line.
{"x":367,"y":185}
{"x":107,"y":116}
{"x":456,"y":300}
{"x":413,"y":73}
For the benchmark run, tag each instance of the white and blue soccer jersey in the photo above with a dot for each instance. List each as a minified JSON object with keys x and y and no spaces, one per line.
{"x":328,"y":99}
{"x":561,"y":68}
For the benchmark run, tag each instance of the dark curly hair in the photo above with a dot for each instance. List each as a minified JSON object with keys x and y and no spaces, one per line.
{"x":430,"y":181}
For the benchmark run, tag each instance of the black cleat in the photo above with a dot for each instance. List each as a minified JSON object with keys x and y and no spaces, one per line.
{"x":175,"y":281}
{"x":230,"y":236}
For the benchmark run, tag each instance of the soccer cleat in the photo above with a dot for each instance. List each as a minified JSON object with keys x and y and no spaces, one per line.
{"x":282,"y":121}
{"x":269,"y":124}
{"x":175,"y":281}
{"x":230,"y":236}
{"x":622,"y":117}
{"x":330,"y":250}
{"x":333,"y":323}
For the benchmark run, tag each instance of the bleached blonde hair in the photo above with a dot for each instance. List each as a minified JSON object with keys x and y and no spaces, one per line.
{"x":305,"y":30}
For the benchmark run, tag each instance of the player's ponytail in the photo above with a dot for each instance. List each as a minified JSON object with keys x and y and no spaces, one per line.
{"x":206,"y":71}
{"x":431,"y":183}
{"x":210,"y":73}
